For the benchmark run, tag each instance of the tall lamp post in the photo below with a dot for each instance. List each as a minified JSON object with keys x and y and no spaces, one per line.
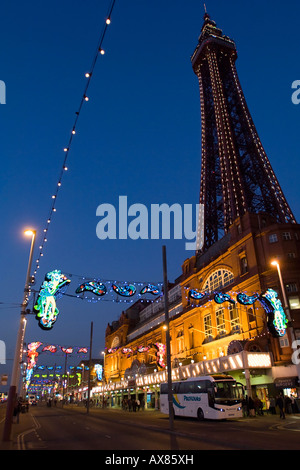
{"x":168,"y":349}
{"x":288,"y":315}
{"x":103,"y":366}
{"x":15,"y":377}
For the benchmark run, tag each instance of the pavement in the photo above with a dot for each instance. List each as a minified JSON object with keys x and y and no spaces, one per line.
{"x":18,"y":429}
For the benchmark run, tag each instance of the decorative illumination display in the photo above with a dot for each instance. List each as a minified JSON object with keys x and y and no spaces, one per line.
{"x":247,"y":300}
{"x":50,"y":348}
{"x":99,"y":371}
{"x":126,"y":291}
{"x":55,"y":283}
{"x":277,"y":321}
{"x":161,"y":354}
{"x":66,"y":350}
{"x":150,"y":289}
{"x":194,"y":294}
{"x":32,"y":354}
{"x":220,"y":298}
{"x":96,"y":288}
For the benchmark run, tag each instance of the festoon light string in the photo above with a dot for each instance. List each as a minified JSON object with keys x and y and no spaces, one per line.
{"x":84,"y":98}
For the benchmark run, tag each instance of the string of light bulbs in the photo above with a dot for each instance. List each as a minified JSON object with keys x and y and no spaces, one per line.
{"x":64,"y":168}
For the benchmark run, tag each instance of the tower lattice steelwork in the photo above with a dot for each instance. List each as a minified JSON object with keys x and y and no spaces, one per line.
{"x":236,"y":175}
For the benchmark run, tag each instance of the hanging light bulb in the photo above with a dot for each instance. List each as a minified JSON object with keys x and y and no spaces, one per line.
{"x":102,"y":51}
{"x":108,"y":21}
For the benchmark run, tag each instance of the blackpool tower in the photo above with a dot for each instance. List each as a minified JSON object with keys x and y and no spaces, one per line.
{"x":236,"y":175}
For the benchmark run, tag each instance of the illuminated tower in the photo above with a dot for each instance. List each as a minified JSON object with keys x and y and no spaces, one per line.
{"x":236,"y":175}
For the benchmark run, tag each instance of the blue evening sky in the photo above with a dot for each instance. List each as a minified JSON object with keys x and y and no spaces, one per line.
{"x":139,"y":135}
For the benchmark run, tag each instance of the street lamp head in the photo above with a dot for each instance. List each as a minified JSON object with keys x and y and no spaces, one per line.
{"x":274,"y":263}
{"x":29,"y":233}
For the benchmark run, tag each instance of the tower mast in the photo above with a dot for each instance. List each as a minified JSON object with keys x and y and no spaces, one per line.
{"x":236,"y":175}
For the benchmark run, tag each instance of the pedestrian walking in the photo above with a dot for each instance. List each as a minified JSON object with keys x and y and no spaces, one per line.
{"x":129,"y":404}
{"x":294,"y":407}
{"x":280,"y":404}
{"x":272,"y":406}
{"x":245,"y":406}
{"x":288,"y":405}
{"x":258,"y":406}
{"x":251,"y":407}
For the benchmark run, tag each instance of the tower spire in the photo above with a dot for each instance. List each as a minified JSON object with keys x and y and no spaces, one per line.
{"x":236,"y":175}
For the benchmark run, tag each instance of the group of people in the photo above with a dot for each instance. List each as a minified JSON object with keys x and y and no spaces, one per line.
{"x":254,"y":406}
{"x":132,"y":404}
{"x":285,"y":404}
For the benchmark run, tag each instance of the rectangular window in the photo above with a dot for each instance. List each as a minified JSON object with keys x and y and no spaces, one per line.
{"x":273,"y":238}
{"x":244,"y":265}
{"x":291,"y":255}
{"x":220,"y":320}
{"x":286,"y":236}
{"x":292,"y":287}
{"x":234,"y":318}
{"x":207,"y":325}
{"x":284,"y":341}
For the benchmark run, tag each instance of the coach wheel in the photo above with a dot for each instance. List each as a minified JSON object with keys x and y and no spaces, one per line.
{"x":200,"y":414}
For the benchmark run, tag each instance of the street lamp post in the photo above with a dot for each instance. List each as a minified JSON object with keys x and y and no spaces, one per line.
{"x":285,"y":302}
{"x":103,"y":364}
{"x":15,"y":377}
{"x":287,"y":311}
{"x":168,"y":351}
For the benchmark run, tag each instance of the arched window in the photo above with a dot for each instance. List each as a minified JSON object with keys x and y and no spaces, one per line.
{"x":218,"y":279}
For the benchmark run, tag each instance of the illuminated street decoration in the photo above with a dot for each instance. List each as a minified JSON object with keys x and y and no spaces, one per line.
{"x":125,"y":291}
{"x":97,"y":288}
{"x":32,"y":354}
{"x":54,"y":285}
{"x":277,"y":320}
{"x":221,"y":298}
{"x":150,"y":289}
{"x":246,"y":299}
{"x":82,"y":351}
{"x":66,"y":350}
{"x":127,"y":350}
{"x":161,"y":354}
{"x":50,"y":347}
{"x":99,"y":371}
{"x":142,"y":349}
{"x":196,"y":295}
